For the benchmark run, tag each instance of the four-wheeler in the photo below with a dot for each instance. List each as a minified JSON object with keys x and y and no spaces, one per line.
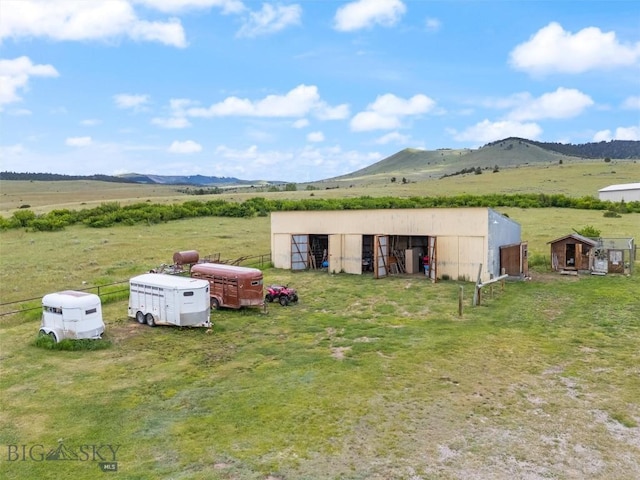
{"x":282,"y":294}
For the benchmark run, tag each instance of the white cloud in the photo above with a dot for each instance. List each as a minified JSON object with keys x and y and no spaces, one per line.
{"x":552,"y":49}
{"x":88,"y":20}
{"x":172,"y":122}
{"x":301,"y":123}
{"x":628,"y":133}
{"x":20,"y":112}
{"x":387,"y":111}
{"x":175,"y":6}
{"x":90,"y":122}
{"x":432,"y":24}
{"x":318,"y":163}
{"x":621,"y":133}
{"x":563,"y":103}
{"x":270,"y":19}
{"x":298,"y":102}
{"x":11,"y":151}
{"x":367,"y":13}
{"x":125,"y":100}
{"x":393,"y":137}
{"x":632,"y":103}
{"x":188,"y":146}
{"x":487,"y":131}
{"x":15,"y":75}
{"x":315,"y":137}
{"x":327,"y":112}
{"x":78,"y":141}
{"x":366,"y":121}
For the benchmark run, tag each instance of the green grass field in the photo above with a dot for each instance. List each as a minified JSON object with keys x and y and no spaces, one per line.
{"x":363,"y":379}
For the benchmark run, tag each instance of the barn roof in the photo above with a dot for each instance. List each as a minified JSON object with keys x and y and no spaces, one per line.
{"x":621,"y":187}
{"x":577,"y":237}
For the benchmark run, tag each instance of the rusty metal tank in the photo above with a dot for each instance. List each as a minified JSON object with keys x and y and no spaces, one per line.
{"x":188,"y":257}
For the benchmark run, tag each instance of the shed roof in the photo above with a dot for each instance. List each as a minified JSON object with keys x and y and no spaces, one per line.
{"x":620,"y":187}
{"x":578,"y":237}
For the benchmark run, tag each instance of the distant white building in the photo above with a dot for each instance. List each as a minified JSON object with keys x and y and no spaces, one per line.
{"x":629,"y":192}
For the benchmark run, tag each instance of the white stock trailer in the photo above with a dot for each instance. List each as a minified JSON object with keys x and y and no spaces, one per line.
{"x":162,"y":299}
{"x":71,"y":314}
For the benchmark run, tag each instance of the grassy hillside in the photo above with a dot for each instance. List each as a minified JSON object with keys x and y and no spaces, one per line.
{"x":430,"y":164}
{"x":575,"y":178}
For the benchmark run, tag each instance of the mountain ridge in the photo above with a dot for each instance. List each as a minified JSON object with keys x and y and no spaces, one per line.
{"x":416,"y":163}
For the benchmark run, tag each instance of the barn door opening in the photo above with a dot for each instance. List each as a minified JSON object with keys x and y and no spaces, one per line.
{"x":381,"y":256}
{"x":367,"y":253}
{"x":299,"y":252}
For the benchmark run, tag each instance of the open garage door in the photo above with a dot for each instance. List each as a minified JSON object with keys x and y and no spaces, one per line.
{"x":299,"y":252}
{"x":380,"y":256}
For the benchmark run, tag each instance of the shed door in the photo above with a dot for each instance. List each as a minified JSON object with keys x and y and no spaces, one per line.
{"x":299,"y":252}
{"x":380,"y":256}
{"x":616,"y":263}
{"x":433,"y":259}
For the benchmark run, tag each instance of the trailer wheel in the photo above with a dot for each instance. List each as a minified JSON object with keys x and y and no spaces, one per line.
{"x":215,"y":304}
{"x":150,"y":321}
{"x":140,"y":318}
{"x":284,"y":301}
{"x":53,"y":337}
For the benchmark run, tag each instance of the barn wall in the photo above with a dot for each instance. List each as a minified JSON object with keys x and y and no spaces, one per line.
{"x":502,"y":231}
{"x":620,"y":195}
{"x":462,"y":234}
{"x":470,"y":254}
{"x":419,"y":221}
{"x":447,"y":257}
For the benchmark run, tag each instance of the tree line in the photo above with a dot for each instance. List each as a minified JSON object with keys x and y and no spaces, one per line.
{"x":112,"y":213}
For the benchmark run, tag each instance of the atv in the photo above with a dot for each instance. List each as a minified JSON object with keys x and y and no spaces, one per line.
{"x":282,"y":294}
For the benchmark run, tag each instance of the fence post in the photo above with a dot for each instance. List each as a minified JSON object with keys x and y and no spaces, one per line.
{"x":476,"y":292}
{"x":460,"y":302}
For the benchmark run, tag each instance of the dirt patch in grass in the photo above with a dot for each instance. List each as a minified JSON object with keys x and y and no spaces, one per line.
{"x":339,"y":353}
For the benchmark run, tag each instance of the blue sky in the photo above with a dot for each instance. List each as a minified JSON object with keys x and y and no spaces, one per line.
{"x":306,"y":90}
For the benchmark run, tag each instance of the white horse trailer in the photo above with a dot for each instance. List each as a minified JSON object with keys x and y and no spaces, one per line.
{"x":161,"y":299}
{"x":71,"y":314}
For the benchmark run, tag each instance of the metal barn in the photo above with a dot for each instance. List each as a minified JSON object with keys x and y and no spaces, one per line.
{"x":627,"y":192}
{"x":453,"y":242}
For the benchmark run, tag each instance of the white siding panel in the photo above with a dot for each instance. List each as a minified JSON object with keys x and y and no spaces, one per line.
{"x":419,"y":221}
{"x":447,"y":257}
{"x":336,"y":252}
{"x":281,"y":250}
{"x":470,"y":255}
{"x":352,"y":262}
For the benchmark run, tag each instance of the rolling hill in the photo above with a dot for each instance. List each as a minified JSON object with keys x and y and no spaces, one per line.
{"x":414,"y":165}
{"x":408,"y":164}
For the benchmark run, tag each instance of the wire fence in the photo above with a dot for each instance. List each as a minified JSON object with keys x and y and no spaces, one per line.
{"x":110,"y":289}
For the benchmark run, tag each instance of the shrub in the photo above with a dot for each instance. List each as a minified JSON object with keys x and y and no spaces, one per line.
{"x":538,"y":260}
{"x":588,"y":231}
{"x":611,"y":214}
